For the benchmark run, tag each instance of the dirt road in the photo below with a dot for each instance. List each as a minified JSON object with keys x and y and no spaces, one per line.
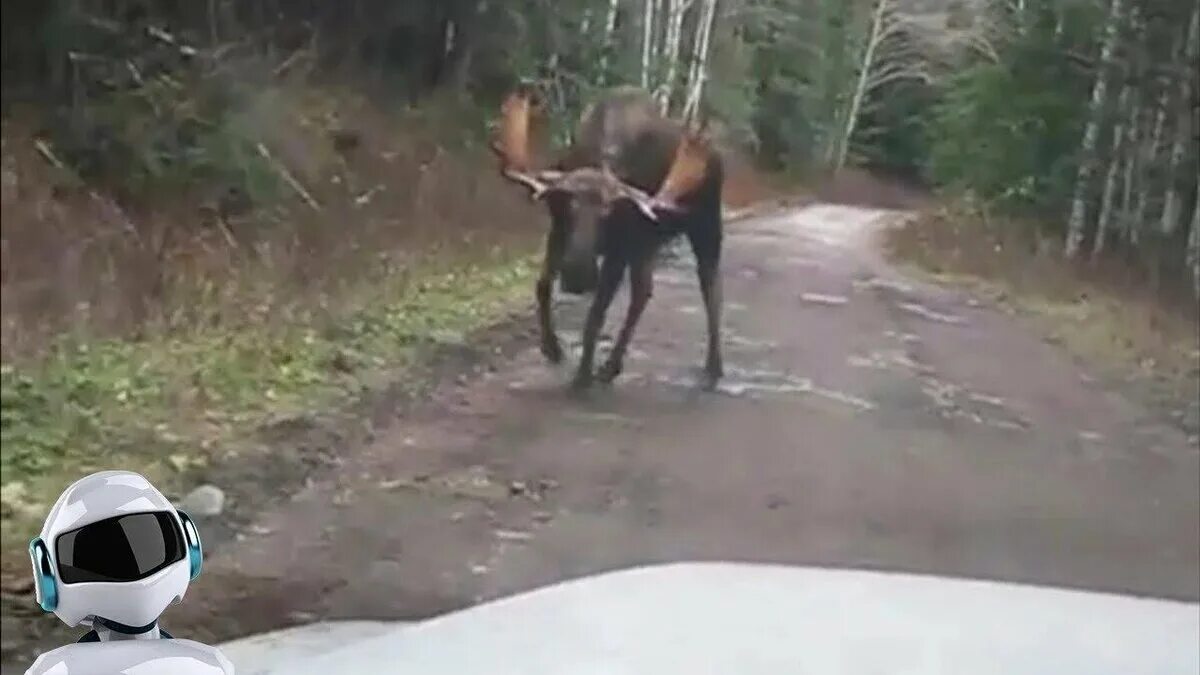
{"x":866,"y":420}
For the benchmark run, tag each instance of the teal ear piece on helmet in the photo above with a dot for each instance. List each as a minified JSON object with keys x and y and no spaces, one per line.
{"x":44,"y":583}
{"x":192,"y":537}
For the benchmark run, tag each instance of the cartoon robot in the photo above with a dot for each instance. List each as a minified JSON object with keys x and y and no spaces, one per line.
{"x":114,"y":554}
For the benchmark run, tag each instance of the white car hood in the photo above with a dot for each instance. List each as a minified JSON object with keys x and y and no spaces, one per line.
{"x":694,"y":618}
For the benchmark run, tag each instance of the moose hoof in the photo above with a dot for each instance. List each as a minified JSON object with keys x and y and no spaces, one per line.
{"x":609,"y":371}
{"x":552,"y":351}
{"x":581,"y":382}
{"x":710,"y":377}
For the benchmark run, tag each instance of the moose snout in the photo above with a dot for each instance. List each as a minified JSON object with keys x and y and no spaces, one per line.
{"x":579,"y":277}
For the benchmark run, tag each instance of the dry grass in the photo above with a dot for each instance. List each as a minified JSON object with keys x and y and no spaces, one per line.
{"x":386,"y":192}
{"x":154,"y":335}
{"x":1102,"y":313}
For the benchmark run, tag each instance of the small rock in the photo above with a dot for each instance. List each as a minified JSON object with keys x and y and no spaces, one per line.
{"x":205,"y":500}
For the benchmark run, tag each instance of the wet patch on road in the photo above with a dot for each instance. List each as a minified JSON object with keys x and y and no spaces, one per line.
{"x":887,"y":359}
{"x":823,"y":299}
{"x":926,"y":313}
{"x":741,"y":383}
{"x":953,"y":401}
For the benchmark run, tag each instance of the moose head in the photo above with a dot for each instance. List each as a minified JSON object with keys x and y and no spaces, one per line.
{"x":583,"y":199}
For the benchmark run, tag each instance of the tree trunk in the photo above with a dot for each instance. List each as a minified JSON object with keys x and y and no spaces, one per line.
{"x":1132,"y":147}
{"x":1077,"y":222}
{"x":1193,"y":247}
{"x":647,"y":41}
{"x":1110,"y":178}
{"x":860,"y":88}
{"x":610,"y":23}
{"x":675,"y":9}
{"x":699,"y":69}
{"x":1171,"y":198}
{"x":1149,"y":159}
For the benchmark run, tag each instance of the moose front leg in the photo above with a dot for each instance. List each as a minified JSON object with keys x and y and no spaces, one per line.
{"x":706,"y":244}
{"x":606,"y":288}
{"x":551,"y":348}
{"x":641,"y":288}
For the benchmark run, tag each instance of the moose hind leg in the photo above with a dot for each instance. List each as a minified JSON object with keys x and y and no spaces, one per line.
{"x":641,"y":288}
{"x":550,"y":346}
{"x":610,"y":280}
{"x":707,"y":247}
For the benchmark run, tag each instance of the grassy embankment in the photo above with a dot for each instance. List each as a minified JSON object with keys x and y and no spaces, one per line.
{"x":156,"y":335}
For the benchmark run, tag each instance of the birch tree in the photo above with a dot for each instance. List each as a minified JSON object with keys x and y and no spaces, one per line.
{"x":888,"y":56}
{"x":1108,"y":196}
{"x":1077,"y":221}
{"x":648,"y":35}
{"x":698,"y":72}
{"x":610,"y":23}
{"x":674,"y":30}
{"x":1171,"y":197}
{"x":1148,"y":157}
{"x":1193,"y":245}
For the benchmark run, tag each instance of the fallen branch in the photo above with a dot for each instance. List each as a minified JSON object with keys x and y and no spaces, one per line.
{"x":43,"y":148}
{"x":289,"y":62}
{"x":288,"y":177}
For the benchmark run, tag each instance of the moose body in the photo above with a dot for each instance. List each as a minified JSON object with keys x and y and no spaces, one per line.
{"x":605,"y":223}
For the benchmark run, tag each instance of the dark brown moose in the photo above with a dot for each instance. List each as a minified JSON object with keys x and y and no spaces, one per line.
{"x":630,"y":181}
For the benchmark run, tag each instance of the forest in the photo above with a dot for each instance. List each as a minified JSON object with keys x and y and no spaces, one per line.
{"x":1080,"y":115}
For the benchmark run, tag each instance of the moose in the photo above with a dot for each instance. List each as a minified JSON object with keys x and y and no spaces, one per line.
{"x":630,"y":181}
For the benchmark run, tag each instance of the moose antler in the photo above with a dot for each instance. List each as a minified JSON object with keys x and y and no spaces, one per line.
{"x":687,"y":171}
{"x":512,"y":145}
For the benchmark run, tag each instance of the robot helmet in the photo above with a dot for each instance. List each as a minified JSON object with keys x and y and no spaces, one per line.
{"x":114,"y":549}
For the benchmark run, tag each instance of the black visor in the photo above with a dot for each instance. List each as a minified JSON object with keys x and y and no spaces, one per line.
{"x":122,"y":548}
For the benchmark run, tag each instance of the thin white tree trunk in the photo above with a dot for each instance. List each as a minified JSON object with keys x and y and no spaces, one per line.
{"x":1110,"y":178}
{"x":647,"y":41}
{"x":1149,"y":158}
{"x":1077,"y":222}
{"x":860,"y":89}
{"x":1171,"y":198}
{"x":610,"y":23}
{"x":699,"y":70}
{"x":1132,"y":148}
{"x":675,"y":10}
{"x":1193,"y":248}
